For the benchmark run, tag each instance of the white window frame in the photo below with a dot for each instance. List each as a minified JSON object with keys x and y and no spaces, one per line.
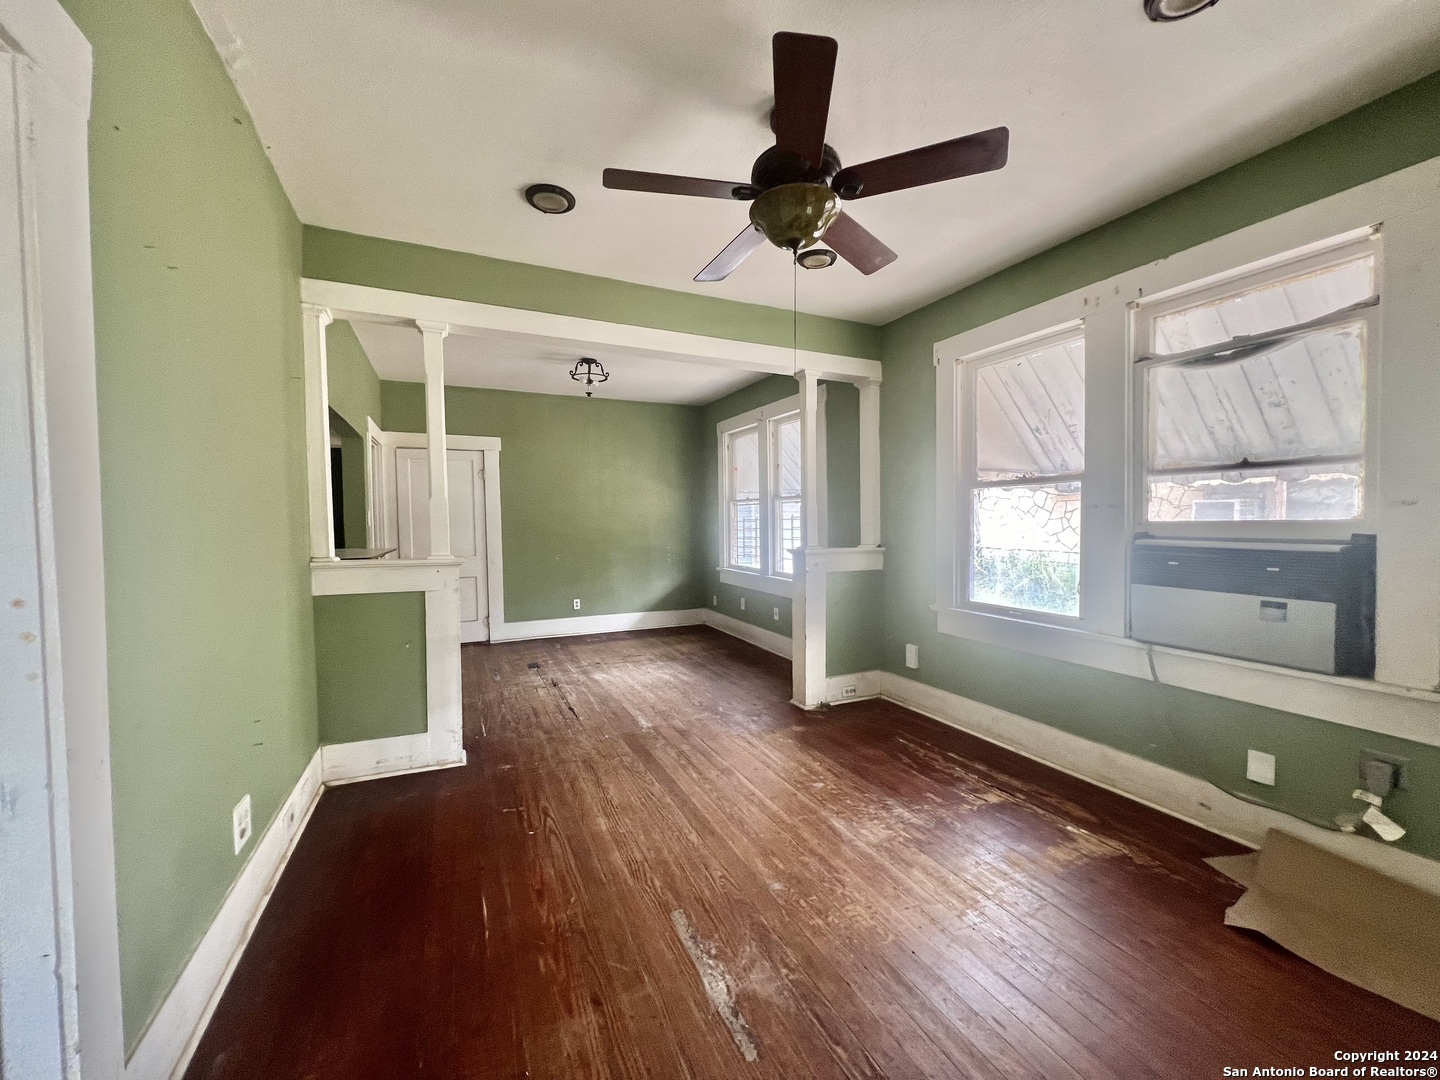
{"x":967,"y":482}
{"x":766,"y":419}
{"x":1402,"y":469}
{"x":1145,"y":313}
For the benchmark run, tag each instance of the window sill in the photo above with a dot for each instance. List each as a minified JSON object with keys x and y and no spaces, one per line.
{"x":1399,"y":711}
{"x":745,"y":579}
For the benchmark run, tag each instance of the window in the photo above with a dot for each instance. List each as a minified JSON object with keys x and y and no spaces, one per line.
{"x":743,"y":460}
{"x":1255,"y":398}
{"x":1023,"y":463}
{"x":763,"y":515}
{"x":787,"y":513}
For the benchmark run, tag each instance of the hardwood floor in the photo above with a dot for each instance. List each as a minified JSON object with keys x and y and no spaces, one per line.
{"x":654,"y":866}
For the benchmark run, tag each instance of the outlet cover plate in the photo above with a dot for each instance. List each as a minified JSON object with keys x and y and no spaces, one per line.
{"x":912,"y":656}
{"x":240,"y":824}
{"x":1260,"y":767}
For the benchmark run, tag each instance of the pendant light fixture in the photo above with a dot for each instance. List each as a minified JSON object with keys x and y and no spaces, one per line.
{"x":589,"y":371}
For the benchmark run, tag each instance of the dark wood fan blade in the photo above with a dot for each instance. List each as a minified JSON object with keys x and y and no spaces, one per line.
{"x":804,"y":72}
{"x":666,"y":184}
{"x":736,"y":252}
{"x":857,"y":245}
{"x":984,"y":151}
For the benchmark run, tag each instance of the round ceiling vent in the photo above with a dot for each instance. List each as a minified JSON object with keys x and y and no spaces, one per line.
{"x":1171,"y":10}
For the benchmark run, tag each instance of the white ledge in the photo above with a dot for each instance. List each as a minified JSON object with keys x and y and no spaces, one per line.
{"x":340,"y":578}
{"x":1402,"y":712}
{"x":843,"y":560}
{"x":745,"y":579}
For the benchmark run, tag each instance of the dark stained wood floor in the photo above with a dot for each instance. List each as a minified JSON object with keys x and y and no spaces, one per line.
{"x":869,"y":893}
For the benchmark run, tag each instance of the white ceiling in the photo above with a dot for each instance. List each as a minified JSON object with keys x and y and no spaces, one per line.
{"x":422,"y":120}
{"x":500,"y":360}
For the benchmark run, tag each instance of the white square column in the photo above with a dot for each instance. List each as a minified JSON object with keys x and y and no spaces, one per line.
{"x":434,"y":338}
{"x":807,"y":612}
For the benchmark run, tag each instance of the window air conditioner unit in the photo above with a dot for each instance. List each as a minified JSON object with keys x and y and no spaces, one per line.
{"x":1298,"y":604}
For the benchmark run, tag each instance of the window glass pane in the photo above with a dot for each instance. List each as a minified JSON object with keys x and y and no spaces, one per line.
{"x":789,"y":535}
{"x":745,"y":535}
{"x":1325,"y":493}
{"x":745,"y":465}
{"x":1302,"y":399}
{"x":1030,"y":414}
{"x":788,"y":466}
{"x":1026,"y":547}
{"x":1271,"y":307}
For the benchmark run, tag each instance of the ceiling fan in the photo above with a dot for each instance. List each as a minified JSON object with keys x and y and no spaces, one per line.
{"x":797,"y":186}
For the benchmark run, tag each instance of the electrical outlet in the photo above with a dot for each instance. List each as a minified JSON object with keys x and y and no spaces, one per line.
{"x":1402,"y":781}
{"x":776,"y":613}
{"x":714,"y":601}
{"x":1260,"y":767}
{"x":289,"y":819}
{"x":742,"y":603}
{"x":847,"y":691}
{"x":240,"y":825}
{"x":912,"y":656}
{"x":577,"y":603}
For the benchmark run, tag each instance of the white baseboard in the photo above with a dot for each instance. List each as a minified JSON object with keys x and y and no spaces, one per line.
{"x":168,"y":1042}
{"x":769,"y":640}
{"x":342,"y":763}
{"x":595,"y":624}
{"x":1157,"y":786}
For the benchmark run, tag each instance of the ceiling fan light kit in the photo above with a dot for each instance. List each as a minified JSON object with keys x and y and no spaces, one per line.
{"x":796,"y":186}
{"x":816,"y":258}
{"x":1175,"y":10}
{"x":549,"y":199}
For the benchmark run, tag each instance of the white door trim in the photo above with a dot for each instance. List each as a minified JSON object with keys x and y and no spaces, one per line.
{"x":47,"y":351}
{"x":494,"y":556}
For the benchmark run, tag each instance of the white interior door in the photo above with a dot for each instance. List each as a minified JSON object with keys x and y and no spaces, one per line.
{"x":467,"y":526}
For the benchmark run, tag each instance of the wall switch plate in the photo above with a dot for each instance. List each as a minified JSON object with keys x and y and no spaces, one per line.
{"x":776,"y":612}
{"x":847,"y":691}
{"x":742,"y":603}
{"x":912,"y":656}
{"x":577,"y":603}
{"x":1260,"y":767}
{"x":240,"y":824}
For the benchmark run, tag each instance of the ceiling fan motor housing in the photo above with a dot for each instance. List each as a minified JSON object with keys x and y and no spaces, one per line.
{"x":794,"y":216}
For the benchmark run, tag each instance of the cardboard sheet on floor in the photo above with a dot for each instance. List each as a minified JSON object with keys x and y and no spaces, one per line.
{"x":1364,"y":927}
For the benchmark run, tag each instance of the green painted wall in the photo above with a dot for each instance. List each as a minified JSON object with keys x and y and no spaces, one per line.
{"x":1200,"y":735}
{"x":350,"y":377}
{"x":597,"y":497}
{"x":198,"y":354}
{"x":370,"y":665}
{"x":390,"y":264}
{"x":354,"y":391}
